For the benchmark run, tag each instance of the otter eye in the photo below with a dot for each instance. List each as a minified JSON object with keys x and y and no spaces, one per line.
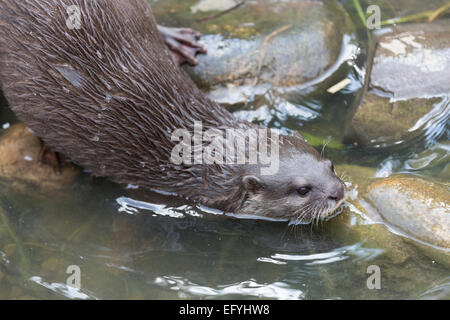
{"x":303,"y":191}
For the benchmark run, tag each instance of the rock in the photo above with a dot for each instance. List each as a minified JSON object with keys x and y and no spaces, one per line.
{"x":19,"y":164}
{"x":407,"y":96}
{"x":392,"y":198}
{"x":381,"y":123}
{"x":417,"y":207}
{"x":352,"y":228}
{"x":358,"y":223}
{"x":303,"y":39}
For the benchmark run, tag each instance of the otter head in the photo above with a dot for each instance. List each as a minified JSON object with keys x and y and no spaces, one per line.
{"x":304,"y":189}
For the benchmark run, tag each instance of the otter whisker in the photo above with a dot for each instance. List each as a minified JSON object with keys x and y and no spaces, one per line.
{"x":343,"y":176}
{"x":303,"y":211}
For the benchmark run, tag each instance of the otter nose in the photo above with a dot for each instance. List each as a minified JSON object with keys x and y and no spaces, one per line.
{"x":337,"y":194}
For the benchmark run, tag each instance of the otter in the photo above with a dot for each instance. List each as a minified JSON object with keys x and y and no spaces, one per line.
{"x":109,"y":96}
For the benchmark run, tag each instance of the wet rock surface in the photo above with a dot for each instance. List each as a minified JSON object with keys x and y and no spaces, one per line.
{"x":417,"y":207}
{"x":408,"y":91}
{"x":372,"y":208}
{"x":366,"y":227}
{"x":282,"y":43}
{"x":422,"y":48}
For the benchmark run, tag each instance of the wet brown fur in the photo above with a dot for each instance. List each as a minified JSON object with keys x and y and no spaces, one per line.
{"x":108,"y":95}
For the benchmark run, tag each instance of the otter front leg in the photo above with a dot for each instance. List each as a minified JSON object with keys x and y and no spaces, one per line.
{"x":183,"y":44}
{"x":54,"y":159}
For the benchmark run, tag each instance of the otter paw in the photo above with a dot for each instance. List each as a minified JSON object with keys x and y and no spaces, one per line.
{"x":53,"y":159}
{"x":183,"y":44}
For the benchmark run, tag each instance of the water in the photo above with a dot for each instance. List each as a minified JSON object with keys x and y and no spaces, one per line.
{"x":144,"y":255}
{"x":162,"y":247}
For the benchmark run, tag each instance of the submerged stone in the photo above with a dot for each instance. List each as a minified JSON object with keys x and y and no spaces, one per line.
{"x":417,"y":207}
{"x":282,"y":43}
{"x":359,"y":223}
{"x":407,"y":96}
{"x":373,"y":205}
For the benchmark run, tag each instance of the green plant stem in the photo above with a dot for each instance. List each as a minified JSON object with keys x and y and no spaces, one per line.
{"x":426,"y":15}
{"x":360,"y":12}
{"x":414,"y":17}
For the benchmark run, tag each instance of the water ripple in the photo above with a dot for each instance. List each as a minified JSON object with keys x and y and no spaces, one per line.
{"x":63,"y":289}
{"x":337,"y":255}
{"x":186,"y":288}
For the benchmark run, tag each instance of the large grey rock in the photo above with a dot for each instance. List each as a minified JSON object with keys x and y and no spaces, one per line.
{"x":360,"y":223}
{"x":408,"y":90}
{"x":417,"y":207}
{"x":306,"y":39}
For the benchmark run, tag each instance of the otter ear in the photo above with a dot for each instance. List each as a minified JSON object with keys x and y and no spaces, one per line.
{"x":252,"y":184}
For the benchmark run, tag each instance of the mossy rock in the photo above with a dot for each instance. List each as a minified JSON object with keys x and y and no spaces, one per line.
{"x":417,"y":207}
{"x":406,"y":97}
{"x":358,"y":223}
{"x":382,"y":123}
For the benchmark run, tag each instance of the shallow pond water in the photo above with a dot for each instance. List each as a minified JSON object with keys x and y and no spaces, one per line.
{"x":163,"y":247}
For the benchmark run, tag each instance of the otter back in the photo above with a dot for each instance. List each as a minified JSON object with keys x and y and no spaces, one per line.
{"x":107,"y":95}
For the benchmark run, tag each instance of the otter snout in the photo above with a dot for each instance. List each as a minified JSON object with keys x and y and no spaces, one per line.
{"x":338,"y":193}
